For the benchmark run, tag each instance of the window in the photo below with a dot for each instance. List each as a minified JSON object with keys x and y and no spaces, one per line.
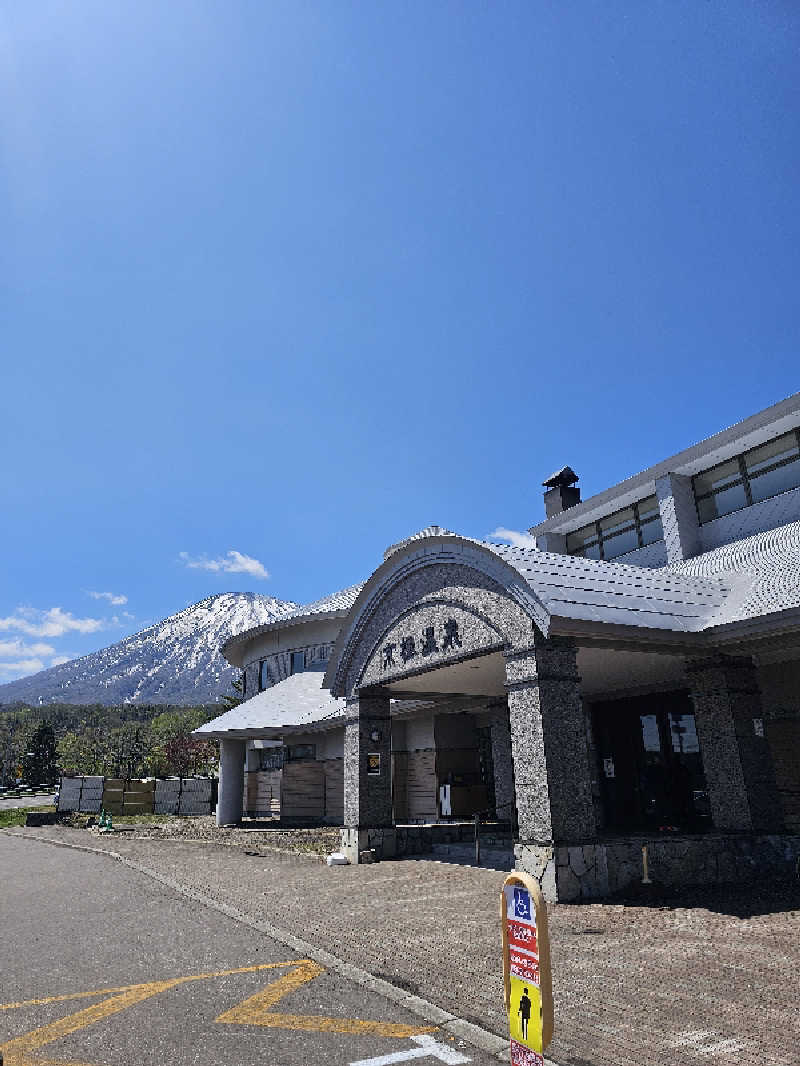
{"x":298,"y":752}
{"x":756,"y":475}
{"x":264,"y":676}
{"x":298,"y":662}
{"x":272,"y":758}
{"x":244,"y":682}
{"x":621,"y":532}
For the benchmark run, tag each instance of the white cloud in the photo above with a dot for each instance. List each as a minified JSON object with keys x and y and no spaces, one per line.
{"x":232,"y":563}
{"x":22,"y":667}
{"x":19,"y":647}
{"x":519,"y":540}
{"x":117,"y":600}
{"x":53,"y":622}
{"x":57,"y":660}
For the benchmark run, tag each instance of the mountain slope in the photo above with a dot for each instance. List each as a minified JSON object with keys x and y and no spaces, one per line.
{"x":174,"y":661}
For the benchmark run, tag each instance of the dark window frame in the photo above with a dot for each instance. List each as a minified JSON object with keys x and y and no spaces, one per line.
{"x":263,"y":667}
{"x":636,"y":524}
{"x":301,"y":753}
{"x":744,"y":478}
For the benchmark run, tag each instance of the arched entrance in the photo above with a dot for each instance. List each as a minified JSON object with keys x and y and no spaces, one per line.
{"x":445,"y":618}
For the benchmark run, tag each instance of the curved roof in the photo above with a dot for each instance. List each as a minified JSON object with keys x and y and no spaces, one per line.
{"x":564,"y":594}
{"x":428,"y":531}
{"x":332,"y":606}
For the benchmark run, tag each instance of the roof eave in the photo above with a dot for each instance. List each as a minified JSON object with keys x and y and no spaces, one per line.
{"x":714,"y":449}
{"x":232,"y":643}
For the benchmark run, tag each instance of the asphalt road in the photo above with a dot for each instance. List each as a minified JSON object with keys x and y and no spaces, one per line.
{"x":101,"y":965}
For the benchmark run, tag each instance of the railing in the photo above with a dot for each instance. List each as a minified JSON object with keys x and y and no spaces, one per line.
{"x":484,"y":814}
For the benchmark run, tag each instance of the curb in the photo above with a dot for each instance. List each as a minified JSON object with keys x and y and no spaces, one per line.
{"x":480,"y":1038}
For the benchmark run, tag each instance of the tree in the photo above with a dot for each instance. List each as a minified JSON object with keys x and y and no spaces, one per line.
{"x":234,"y":700}
{"x":14,"y":739}
{"x":172,"y":747}
{"x":39,"y":761}
{"x":188,"y":756}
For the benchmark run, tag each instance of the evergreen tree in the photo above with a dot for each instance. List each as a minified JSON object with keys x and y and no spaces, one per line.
{"x":231,"y":701}
{"x":39,"y":761}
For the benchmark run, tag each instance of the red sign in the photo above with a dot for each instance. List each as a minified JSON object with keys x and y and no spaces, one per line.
{"x":522,"y":935}
{"x":525,"y":967}
{"x":523,"y":1056}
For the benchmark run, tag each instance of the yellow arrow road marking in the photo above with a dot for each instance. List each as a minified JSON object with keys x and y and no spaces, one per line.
{"x":125,"y":988}
{"x":315,"y":1023}
{"x":16,"y":1050}
{"x":256,"y":1011}
{"x":253,"y":1011}
{"x":51,"y":1062}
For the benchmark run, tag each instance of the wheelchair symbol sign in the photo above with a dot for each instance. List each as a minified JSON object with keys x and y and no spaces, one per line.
{"x":522,"y":904}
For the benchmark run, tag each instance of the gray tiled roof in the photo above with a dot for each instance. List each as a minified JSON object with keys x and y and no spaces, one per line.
{"x":337,"y":601}
{"x":294,"y":702}
{"x":594,"y":590}
{"x":767,"y":566}
{"x":297,"y":703}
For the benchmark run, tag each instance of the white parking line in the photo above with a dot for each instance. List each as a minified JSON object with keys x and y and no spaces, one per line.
{"x":428,"y":1048}
{"x":702,"y":1042}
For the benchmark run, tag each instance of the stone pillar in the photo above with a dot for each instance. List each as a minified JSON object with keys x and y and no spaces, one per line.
{"x":231,"y":781}
{"x":737,"y":762}
{"x":368,"y":794}
{"x":551,"y":755}
{"x":678,"y":517}
{"x":504,"y":800}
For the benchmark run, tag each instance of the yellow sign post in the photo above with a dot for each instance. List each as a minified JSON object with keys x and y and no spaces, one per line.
{"x":526,"y":969}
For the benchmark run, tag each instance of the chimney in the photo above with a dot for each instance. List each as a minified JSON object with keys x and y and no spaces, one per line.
{"x":562,"y":492}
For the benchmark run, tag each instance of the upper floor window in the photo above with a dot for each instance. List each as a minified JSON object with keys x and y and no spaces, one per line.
{"x":756,"y":475}
{"x":298,"y":662}
{"x":264,"y":676}
{"x":621,"y":532}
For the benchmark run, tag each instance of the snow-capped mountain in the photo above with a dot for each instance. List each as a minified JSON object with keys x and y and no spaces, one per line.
{"x":175,"y":661}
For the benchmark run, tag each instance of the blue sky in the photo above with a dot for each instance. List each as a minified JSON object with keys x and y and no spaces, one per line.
{"x":293,"y":280}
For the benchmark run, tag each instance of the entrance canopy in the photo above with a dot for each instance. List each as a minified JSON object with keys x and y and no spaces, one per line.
{"x":448,"y":607}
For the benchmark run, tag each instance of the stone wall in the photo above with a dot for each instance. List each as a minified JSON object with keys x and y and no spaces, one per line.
{"x":599,"y":870}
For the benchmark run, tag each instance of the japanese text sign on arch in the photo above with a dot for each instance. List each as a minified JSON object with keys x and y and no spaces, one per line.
{"x":526,"y":969}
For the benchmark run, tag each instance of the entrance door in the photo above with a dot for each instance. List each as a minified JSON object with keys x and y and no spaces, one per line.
{"x":651,"y":768}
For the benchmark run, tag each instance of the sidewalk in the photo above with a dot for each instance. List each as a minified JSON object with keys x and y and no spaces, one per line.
{"x":667,"y":986}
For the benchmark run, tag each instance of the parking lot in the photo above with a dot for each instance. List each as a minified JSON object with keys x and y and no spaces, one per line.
{"x":101,"y":965}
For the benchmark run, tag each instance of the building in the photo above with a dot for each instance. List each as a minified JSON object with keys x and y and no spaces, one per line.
{"x":630,"y":677}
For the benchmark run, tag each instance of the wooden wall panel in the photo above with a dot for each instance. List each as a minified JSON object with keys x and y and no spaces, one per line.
{"x":421,"y":786}
{"x":303,"y":790}
{"x":334,"y":791}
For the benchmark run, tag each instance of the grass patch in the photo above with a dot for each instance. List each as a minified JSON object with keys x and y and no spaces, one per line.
{"x":16,"y":815}
{"x":80,"y":820}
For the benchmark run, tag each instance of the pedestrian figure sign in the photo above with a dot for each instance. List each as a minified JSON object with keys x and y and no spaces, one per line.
{"x":526,"y":969}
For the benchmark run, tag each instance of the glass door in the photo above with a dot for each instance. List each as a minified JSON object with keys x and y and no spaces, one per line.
{"x":651,"y":767}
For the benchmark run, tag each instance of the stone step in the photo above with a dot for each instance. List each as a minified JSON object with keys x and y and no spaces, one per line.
{"x":492,"y":858}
